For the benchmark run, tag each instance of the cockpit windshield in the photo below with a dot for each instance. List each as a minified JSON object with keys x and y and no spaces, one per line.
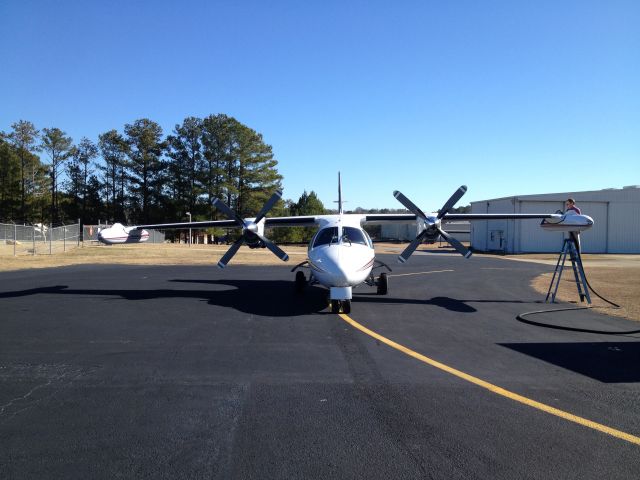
{"x":326,"y":236}
{"x":352,"y":235}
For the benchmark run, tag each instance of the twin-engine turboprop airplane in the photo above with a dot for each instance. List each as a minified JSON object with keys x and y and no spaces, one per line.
{"x":341,"y":254}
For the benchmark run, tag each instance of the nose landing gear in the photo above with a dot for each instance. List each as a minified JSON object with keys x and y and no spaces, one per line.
{"x":340,"y":306}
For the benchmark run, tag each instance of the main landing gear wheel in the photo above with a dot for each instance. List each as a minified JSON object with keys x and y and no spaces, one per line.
{"x":301,"y":282}
{"x":341,"y":305}
{"x":383,"y":284}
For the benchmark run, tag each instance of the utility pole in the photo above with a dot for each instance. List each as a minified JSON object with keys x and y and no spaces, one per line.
{"x":189,"y":215}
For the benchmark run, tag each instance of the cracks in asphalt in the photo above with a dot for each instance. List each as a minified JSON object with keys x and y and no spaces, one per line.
{"x":372,"y":388}
{"x":58,"y":375}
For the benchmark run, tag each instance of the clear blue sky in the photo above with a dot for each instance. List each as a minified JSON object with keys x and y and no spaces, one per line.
{"x":506,"y":97}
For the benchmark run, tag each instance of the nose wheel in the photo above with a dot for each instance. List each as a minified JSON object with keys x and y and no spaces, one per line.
{"x":340,"y":306}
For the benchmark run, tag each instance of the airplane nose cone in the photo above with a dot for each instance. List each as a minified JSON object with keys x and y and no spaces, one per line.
{"x":333,"y":263}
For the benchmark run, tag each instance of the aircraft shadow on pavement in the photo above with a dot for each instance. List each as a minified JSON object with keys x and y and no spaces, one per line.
{"x":607,"y":362}
{"x":448,"y":303}
{"x":271,"y":298}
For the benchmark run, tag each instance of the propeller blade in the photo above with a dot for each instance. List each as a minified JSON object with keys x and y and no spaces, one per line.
{"x":281,"y":254}
{"x":409,"y":205}
{"x":457,"y":195}
{"x":230,"y":214}
{"x":269,"y":205}
{"x":404,"y":256}
{"x":460,"y":248}
{"x":230,"y":253}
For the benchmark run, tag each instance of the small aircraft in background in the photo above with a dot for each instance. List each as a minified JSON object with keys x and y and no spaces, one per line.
{"x":118,"y":233}
{"x":341,"y":254}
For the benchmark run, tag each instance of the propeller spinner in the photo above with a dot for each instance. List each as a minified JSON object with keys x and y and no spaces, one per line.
{"x":250,"y":231}
{"x":432,"y":224}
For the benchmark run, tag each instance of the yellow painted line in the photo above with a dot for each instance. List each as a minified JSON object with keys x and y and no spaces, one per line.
{"x":418,"y":273}
{"x":494,"y":388}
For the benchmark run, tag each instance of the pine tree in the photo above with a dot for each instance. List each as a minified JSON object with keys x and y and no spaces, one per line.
{"x":146,"y":167}
{"x":113,"y":149}
{"x":9,"y":180}
{"x":24,"y":137}
{"x":257,"y":176}
{"x":78,"y":170}
{"x":59,"y":147}
{"x":186,"y":166}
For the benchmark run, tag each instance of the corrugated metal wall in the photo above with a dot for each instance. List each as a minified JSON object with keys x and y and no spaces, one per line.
{"x":479,"y":229}
{"x":493,"y":235}
{"x":531,"y":237}
{"x":623,"y":234}
{"x":594,"y":240}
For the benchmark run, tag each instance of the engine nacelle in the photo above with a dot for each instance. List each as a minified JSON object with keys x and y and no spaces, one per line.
{"x":118,"y":233}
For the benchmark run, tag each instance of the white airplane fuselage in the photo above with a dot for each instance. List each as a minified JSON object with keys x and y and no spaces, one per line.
{"x":341,"y":255}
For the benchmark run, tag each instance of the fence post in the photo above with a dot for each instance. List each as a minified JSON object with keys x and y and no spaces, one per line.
{"x":33,"y":238}
{"x":80,"y":232}
{"x":15,"y":238}
{"x":50,"y":238}
{"x":64,"y":238}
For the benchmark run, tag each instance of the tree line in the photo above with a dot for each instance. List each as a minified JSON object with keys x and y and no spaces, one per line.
{"x":138,"y":175}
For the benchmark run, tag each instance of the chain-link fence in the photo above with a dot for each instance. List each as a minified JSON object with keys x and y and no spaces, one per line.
{"x":37,"y":239}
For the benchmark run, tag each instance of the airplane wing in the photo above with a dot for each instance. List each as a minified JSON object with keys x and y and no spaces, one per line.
{"x":498,"y":216}
{"x":380,"y":219}
{"x":303,"y":221}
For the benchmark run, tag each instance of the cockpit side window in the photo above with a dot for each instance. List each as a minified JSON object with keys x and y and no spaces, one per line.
{"x":326,"y":236}
{"x":353,"y":235}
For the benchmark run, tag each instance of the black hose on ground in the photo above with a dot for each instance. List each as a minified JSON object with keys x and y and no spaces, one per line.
{"x":598,"y":295}
{"x":521,"y":317}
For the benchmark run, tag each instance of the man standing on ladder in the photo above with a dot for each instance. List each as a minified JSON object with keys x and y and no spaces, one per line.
{"x":571,"y":206}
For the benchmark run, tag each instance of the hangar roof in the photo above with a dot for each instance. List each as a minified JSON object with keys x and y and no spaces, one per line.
{"x":625,"y":194}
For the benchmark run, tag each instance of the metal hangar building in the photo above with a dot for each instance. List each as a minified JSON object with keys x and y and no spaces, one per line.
{"x":616,"y":215}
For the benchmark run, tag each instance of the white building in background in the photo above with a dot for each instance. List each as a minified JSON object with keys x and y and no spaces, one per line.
{"x":616,"y":215}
